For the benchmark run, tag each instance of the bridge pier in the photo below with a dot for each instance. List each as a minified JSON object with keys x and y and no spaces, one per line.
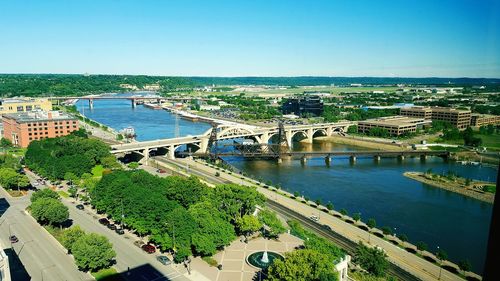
{"x":134,"y":103}
{"x":376,"y":158}
{"x":303,"y":160}
{"x":401,"y":157}
{"x":328,"y":160}
{"x":171,"y":152}
{"x":423,"y":157}
{"x":352,"y":159}
{"x":280,"y":160}
{"x":91,"y":103}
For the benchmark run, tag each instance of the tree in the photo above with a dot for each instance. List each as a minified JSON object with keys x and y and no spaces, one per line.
{"x":248,"y":224}
{"x":352,"y":129}
{"x":318,"y":201}
{"x":236,"y":200}
{"x":441,"y":254}
{"x":93,"y":252}
{"x":329,"y":206}
{"x":70,"y":236}
{"x":110,"y":162}
{"x":44,"y":193}
{"x":8,"y":178}
{"x":23,"y":181}
{"x":356,"y":216}
{"x":133,"y":165}
{"x":371,"y":223}
{"x":73,"y":191}
{"x":269,"y":218}
{"x":302,"y":265}
{"x":343,"y":211}
{"x":49,"y":211}
{"x":212,"y":231}
{"x":5,"y":143}
{"x":372,"y":260}
{"x":70,"y":177}
{"x":387,"y":230}
{"x":421,"y":246}
{"x":403,"y":237}
{"x":465,"y":265}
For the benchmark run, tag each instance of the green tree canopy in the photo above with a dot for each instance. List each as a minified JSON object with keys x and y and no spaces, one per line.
{"x":270,"y":219}
{"x":44,"y":193}
{"x":248,"y":224}
{"x":371,"y":259}
{"x":49,"y":211}
{"x":303,"y":265}
{"x":93,"y":252}
{"x":70,"y":236}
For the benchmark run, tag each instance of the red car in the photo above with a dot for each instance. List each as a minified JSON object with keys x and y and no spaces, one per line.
{"x":148,"y":248}
{"x":161,"y":171}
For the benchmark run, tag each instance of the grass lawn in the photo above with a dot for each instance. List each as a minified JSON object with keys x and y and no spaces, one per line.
{"x":491,"y":141}
{"x":450,"y":149}
{"x":108,"y":274}
{"x":63,"y":194}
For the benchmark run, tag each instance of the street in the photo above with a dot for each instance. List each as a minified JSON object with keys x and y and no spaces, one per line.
{"x":42,"y":256}
{"x":129,"y":258}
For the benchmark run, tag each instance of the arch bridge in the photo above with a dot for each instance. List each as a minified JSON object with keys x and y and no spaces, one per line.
{"x":259,"y":135}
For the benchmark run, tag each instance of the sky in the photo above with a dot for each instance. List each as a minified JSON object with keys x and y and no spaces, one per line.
{"x":398,"y":38}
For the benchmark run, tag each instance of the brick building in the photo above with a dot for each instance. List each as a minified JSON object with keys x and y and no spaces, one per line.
{"x":22,"y":128}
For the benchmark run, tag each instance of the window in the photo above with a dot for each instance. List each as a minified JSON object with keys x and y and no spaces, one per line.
{"x":20,"y":108}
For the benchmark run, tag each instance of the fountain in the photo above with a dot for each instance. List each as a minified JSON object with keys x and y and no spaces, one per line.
{"x":263,"y":259}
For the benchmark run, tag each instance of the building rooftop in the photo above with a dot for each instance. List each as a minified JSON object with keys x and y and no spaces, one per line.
{"x":395,"y":121}
{"x":39,"y":116}
{"x":18,"y":100}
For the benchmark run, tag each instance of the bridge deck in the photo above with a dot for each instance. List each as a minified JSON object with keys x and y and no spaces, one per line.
{"x":371,"y":153}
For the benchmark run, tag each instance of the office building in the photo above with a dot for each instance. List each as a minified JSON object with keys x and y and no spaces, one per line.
{"x":395,"y":125}
{"x":478,"y":120}
{"x":22,"y":128}
{"x":301,"y":106}
{"x":459,"y":118}
{"x":15,"y":105}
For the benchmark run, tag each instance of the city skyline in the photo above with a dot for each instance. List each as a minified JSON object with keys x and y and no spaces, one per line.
{"x":228,"y":38}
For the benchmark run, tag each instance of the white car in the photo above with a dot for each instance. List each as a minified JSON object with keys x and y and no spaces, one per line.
{"x":314,"y":218}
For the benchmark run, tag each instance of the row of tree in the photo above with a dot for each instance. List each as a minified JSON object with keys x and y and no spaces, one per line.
{"x":181,"y":214}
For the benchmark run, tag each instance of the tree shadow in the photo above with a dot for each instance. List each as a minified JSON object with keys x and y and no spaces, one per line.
{"x":144,"y":272}
{"x":4,"y":205}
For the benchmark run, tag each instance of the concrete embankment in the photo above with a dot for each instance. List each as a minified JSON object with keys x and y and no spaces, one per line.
{"x":453,"y":186}
{"x":362,"y":142}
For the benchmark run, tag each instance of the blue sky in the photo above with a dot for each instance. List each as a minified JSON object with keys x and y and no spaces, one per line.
{"x":420,"y":38}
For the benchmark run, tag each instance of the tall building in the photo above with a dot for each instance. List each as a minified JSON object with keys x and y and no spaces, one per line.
{"x":303,"y":105}
{"x":22,"y":128}
{"x":4,"y":265}
{"x":459,"y":118}
{"x":16,"y":105}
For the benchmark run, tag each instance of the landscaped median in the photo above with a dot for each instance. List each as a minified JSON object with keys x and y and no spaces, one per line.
{"x":92,"y":252}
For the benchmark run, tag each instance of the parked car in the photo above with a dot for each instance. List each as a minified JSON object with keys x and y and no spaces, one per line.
{"x":79,"y":207}
{"x":111,"y":226}
{"x":148,"y":248}
{"x":86,"y":203}
{"x":104,"y":221}
{"x":119,"y":230}
{"x":161,"y":171}
{"x":139,"y":243}
{"x":13,"y":239}
{"x":164,"y":260}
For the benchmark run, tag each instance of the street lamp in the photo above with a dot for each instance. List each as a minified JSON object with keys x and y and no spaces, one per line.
{"x":438,"y":256}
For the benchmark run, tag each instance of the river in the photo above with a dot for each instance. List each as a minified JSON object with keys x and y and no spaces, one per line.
{"x":455,"y":223}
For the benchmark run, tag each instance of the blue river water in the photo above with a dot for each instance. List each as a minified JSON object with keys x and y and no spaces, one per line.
{"x":455,"y":223}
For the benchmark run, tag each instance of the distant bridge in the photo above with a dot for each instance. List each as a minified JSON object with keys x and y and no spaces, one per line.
{"x":201,"y":144}
{"x":133,"y":99}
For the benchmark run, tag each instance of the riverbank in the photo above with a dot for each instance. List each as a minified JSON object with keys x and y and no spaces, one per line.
{"x":362,"y":142}
{"x":458,"y":185}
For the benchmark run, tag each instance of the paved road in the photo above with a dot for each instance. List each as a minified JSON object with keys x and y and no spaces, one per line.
{"x":41,"y":255}
{"x":141,"y":266}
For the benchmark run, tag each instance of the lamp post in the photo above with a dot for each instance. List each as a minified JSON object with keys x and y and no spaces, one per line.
{"x":10,"y":234}
{"x":438,"y":256}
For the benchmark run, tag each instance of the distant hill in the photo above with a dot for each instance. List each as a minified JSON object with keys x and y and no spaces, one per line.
{"x":32,"y":85}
